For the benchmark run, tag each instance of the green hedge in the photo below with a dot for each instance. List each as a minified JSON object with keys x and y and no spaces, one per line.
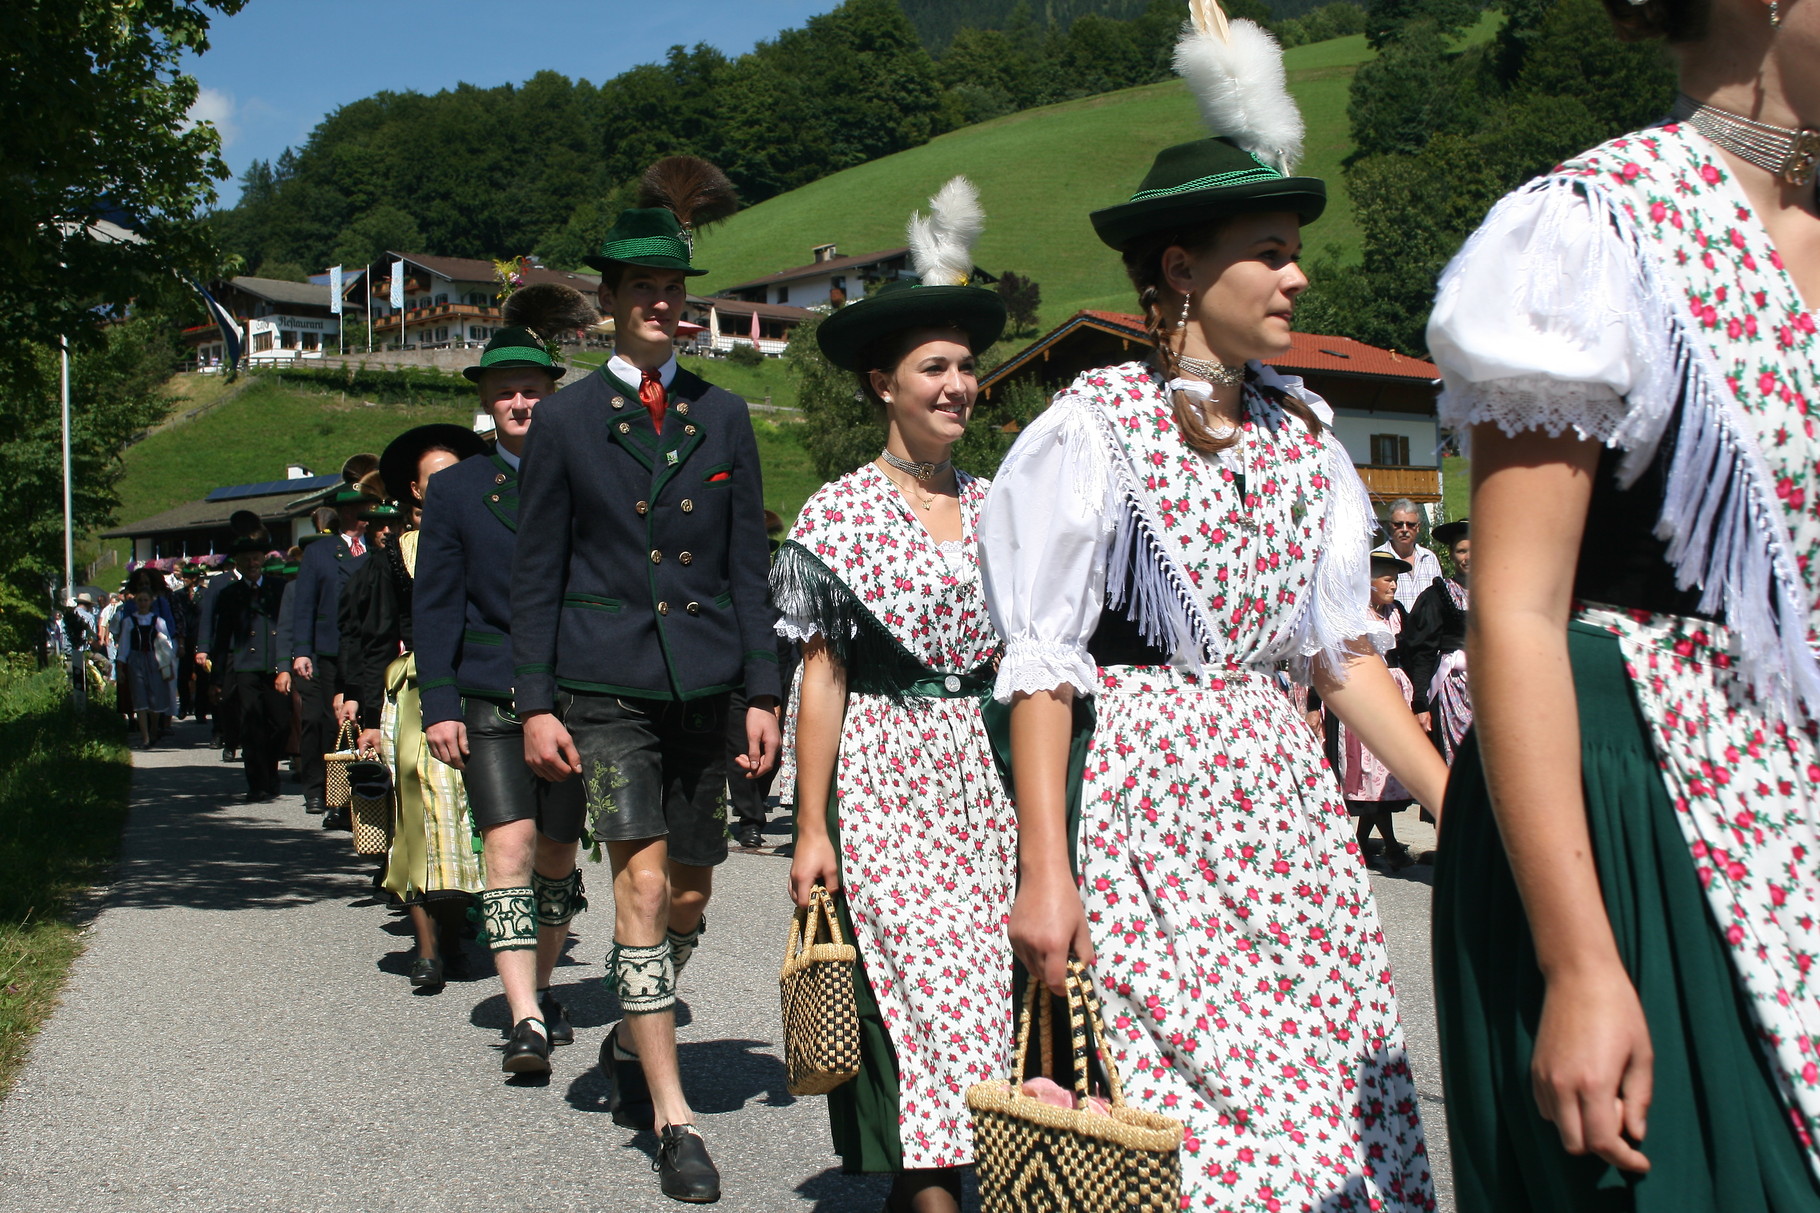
{"x":403,"y":385}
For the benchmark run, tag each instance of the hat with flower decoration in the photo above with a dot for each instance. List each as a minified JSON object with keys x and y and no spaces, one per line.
{"x":1235,"y":70}
{"x":536,"y":316}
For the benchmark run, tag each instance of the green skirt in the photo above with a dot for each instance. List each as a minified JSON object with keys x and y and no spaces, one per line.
{"x":1719,"y":1139}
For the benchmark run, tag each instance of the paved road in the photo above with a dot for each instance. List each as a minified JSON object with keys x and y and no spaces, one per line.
{"x":239,"y":1036}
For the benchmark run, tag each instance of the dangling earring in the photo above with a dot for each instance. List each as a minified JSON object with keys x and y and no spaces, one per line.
{"x":1775,"y":14}
{"x":1183,"y":322}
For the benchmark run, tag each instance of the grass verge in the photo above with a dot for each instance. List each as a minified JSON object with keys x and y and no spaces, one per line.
{"x":64,"y":780}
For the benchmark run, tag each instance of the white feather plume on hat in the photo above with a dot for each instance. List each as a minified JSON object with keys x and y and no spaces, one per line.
{"x":941,"y":243}
{"x":1235,"y":70}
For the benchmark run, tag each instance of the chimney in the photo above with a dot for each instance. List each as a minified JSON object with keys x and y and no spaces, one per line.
{"x":824,"y":252}
{"x":296,"y":471}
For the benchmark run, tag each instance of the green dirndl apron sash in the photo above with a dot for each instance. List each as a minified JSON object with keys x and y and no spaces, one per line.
{"x":1719,"y":1140}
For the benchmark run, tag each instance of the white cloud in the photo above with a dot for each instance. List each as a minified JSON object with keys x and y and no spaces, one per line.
{"x":217,"y":108}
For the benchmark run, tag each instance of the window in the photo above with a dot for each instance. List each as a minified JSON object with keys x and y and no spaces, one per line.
{"x":261,"y":342}
{"x":309,"y":341}
{"x":1390,"y":450}
{"x":442,"y":298}
{"x":442,"y":333}
{"x":783,"y":294}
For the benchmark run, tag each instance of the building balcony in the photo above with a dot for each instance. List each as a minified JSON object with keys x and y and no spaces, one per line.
{"x":438,"y":311}
{"x":1386,"y":483}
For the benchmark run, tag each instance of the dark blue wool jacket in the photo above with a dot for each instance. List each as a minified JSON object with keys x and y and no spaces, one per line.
{"x":461,"y":607}
{"x":316,"y":608}
{"x":642,"y":561}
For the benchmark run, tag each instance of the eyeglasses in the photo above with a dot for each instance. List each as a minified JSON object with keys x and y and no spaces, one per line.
{"x":1402,"y":526}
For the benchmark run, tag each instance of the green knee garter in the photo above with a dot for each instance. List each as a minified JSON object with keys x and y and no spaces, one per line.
{"x":508,"y":919}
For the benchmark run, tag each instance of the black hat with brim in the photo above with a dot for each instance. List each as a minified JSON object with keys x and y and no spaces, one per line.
{"x":398,"y":464}
{"x":246,"y":544}
{"x":1194,"y":184}
{"x":510,"y":348}
{"x":1450,"y":533}
{"x":648,"y":236}
{"x":1383,"y":562}
{"x":847,"y":335}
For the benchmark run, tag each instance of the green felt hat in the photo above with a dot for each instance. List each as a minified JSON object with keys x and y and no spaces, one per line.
{"x":648,"y":235}
{"x":514,"y":347}
{"x":273,"y":564}
{"x":1192,"y":184}
{"x":350,"y":494}
{"x":290,"y":568}
{"x":381,"y":511}
{"x":398,"y":465}
{"x":847,"y":335}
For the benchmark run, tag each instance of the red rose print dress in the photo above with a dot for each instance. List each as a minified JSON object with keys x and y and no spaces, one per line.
{"x":1645,"y":308}
{"x":1237,"y":948}
{"x":926,"y":836}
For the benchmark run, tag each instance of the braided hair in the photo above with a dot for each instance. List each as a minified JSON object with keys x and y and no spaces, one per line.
{"x":1144,"y":266}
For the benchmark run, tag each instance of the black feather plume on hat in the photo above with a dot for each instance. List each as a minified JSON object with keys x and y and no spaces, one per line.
{"x":690,"y":188}
{"x":549,"y":308}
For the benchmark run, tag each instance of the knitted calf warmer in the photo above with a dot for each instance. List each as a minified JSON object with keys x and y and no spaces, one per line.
{"x":508,"y":919}
{"x":683,"y":946}
{"x":558,"y":899}
{"x":644,"y":978}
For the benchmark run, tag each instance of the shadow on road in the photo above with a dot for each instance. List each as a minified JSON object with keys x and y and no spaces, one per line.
{"x":193,"y":844}
{"x":719,"y":1075}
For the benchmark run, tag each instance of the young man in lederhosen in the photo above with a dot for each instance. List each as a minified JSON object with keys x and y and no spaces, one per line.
{"x":463,"y":628}
{"x":640,"y":609}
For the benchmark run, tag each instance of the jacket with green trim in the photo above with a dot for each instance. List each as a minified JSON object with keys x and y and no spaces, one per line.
{"x":644,"y":561}
{"x":462,"y":605}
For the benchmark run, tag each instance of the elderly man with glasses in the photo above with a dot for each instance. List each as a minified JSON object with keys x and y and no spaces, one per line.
{"x":1405,"y":527}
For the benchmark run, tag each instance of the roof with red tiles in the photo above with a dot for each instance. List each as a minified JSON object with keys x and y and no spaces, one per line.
{"x":1307,"y":351}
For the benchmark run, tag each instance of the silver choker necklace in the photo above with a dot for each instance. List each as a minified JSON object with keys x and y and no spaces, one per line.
{"x":922,"y":471}
{"x":1788,"y":153}
{"x":1217,"y":373}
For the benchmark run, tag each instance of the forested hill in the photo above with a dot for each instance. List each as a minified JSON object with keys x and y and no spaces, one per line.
{"x":542,"y":167}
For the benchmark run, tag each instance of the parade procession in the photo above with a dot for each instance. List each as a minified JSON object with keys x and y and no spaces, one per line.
{"x":1316,"y":710}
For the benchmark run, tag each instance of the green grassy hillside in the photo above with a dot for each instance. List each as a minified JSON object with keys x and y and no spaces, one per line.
{"x":1039,"y":173}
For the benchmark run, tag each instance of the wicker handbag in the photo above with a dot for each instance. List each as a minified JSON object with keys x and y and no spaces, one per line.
{"x":335,"y":789}
{"x":370,"y":805}
{"x":1032,"y":1155}
{"x":821,"y":1014}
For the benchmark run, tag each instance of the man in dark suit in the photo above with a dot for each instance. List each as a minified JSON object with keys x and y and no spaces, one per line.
{"x":315,"y":640}
{"x":462,"y":628}
{"x":640,"y":608}
{"x":245,"y":642}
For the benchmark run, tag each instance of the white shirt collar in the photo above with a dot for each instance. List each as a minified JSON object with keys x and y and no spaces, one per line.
{"x":508,"y":457}
{"x":631,"y":376}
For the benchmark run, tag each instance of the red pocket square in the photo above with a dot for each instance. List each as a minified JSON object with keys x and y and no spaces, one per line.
{"x":719,"y":476}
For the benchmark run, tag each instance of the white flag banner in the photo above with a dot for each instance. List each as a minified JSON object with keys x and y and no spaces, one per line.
{"x":398,"y":286}
{"x":335,"y":290}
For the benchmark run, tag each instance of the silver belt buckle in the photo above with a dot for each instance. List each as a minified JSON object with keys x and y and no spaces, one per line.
{"x":953,"y":683}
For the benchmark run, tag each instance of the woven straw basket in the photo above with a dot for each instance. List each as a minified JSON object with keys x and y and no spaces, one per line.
{"x":1033,"y":1157}
{"x":370,"y":805}
{"x":335,"y":789}
{"x":821,"y":1015}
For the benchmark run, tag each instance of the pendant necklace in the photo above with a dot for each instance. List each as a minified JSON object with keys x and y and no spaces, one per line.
{"x":912,"y":491}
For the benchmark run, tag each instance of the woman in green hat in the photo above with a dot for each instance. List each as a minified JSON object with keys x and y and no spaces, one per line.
{"x":1160,"y":542}
{"x":899,"y":810}
{"x":431,"y":866}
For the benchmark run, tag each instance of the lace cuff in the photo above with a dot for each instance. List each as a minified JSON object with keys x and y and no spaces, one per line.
{"x":797,"y":628}
{"x":1593,"y":411}
{"x":1031,"y":664}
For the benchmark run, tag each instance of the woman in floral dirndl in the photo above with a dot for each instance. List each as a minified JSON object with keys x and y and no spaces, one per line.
{"x":898,"y":806}
{"x":1160,"y":541}
{"x":1627,"y":909}
{"x":1436,"y":642}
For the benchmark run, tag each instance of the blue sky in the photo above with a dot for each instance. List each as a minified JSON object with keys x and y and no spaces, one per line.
{"x":273,"y":70}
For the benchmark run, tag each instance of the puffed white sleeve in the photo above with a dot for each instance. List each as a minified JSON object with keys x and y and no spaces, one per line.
{"x":1538,"y":322}
{"x":1043,"y":539}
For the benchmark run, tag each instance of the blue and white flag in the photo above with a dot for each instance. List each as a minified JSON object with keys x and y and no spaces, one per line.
{"x":335,"y":290}
{"x":230,"y":328}
{"x":398,"y":286}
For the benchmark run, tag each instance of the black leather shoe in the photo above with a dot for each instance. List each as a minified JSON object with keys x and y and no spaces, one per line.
{"x":527,"y":1050}
{"x":426,"y":974}
{"x":629,"y":1101}
{"x":227,"y":754}
{"x":683,"y":1166}
{"x":335,"y":819}
{"x":556,"y":1018}
{"x":751,"y":834}
{"x":313,"y":805}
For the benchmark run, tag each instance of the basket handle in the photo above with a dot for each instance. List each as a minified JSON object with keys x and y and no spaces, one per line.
{"x":807,"y":923}
{"x":345,"y":735}
{"x":1036,"y":1011}
{"x":1084,"y":1005}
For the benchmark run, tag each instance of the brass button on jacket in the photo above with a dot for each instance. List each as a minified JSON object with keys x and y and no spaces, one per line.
{"x":686,"y":558}
{"x":688,"y":507}
{"x":619,"y":402}
{"x":643,"y":507}
{"x":694,"y":608}
{"x":689,"y":430}
{"x":657,"y":557}
{"x":625,"y":427}
{"x":663,"y":608}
